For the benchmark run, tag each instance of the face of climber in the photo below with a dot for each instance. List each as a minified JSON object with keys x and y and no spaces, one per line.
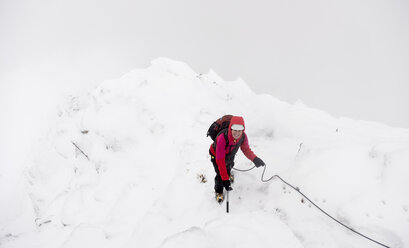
{"x":236,"y":133}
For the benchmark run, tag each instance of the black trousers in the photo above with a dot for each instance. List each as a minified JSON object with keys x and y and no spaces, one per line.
{"x":218,"y":182}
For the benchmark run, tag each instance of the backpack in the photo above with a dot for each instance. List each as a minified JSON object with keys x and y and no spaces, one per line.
{"x":219,"y":125}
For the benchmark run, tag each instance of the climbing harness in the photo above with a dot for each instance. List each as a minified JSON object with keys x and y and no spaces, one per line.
{"x":315,"y":205}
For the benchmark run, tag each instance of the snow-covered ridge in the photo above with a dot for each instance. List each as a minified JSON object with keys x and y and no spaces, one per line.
{"x":121,"y":167}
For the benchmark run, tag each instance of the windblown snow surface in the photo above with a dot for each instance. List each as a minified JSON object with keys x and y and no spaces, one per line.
{"x":127,"y":165}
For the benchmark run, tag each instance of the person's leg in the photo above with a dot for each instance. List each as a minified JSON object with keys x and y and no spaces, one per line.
{"x":218,"y":184}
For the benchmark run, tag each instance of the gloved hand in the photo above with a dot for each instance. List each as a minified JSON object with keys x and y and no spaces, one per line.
{"x":226,"y":185}
{"x":258,"y":162}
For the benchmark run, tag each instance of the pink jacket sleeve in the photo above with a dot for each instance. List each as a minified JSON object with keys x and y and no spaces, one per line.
{"x":221,"y":157}
{"x":246,"y":149}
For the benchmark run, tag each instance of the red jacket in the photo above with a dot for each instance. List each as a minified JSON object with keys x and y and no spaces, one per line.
{"x":222,"y":151}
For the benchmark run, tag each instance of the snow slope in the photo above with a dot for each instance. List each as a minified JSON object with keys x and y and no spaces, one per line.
{"x":123,"y":166}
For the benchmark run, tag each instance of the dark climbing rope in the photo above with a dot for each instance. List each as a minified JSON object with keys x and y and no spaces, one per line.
{"x":315,"y":205}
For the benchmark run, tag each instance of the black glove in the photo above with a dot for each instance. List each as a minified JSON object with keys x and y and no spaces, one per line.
{"x":226,"y":185}
{"x":258,"y":162}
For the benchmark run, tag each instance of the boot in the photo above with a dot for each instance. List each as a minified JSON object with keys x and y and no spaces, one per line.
{"x":219,"y":197}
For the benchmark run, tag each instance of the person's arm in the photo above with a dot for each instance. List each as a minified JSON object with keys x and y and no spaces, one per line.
{"x":246,"y":149}
{"x":221,"y":157}
{"x":249,"y":153}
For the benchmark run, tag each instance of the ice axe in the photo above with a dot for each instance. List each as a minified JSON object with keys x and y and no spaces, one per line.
{"x":227,"y":199}
{"x":227,"y":202}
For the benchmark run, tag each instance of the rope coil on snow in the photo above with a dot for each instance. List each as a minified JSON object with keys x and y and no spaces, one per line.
{"x":315,"y":205}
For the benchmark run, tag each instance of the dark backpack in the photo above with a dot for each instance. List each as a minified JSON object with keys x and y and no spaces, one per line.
{"x":219,"y":125}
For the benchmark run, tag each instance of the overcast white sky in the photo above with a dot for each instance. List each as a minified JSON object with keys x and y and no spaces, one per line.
{"x":349,"y":58}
